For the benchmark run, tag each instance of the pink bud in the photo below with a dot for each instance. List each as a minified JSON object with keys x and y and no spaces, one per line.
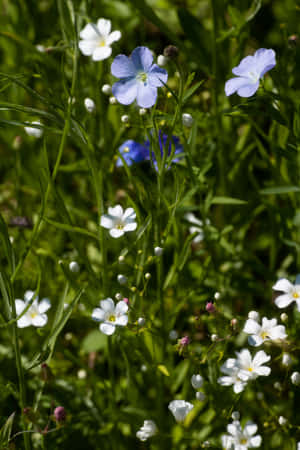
{"x":60,"y":414}
{"x":184,"y":341}
{"x":126,"y":300}
{"x":210,"y":307}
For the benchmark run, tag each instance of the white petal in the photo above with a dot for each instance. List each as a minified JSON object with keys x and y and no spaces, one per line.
{"x":226,"y":381}
{"x":122,"y":320}
{"x":108,"y":305}
{"x":113,"y":37}
{"x":44,"y":305}
{"x":115,"y":233}
{"x":260,"y":358}
{"x":104,"y":26}
{"x":255,"y":441}
{"x":107,"y":328}
{"x":116,"y":211}
{"x":87,"y":47}
{"x":129,"y":213}
{"x":255,"y":340}
{"x":238,"y":387}
{"x":20,"y":306}
{"x":101,"y":53}
{"x":284,"y":300}
{"x":40,"y":320}
{"x":250,"y":429}
{"x":283,"y":285}
{"x":106,"y":221}
{"x":263,"y":371}
{"x":28,"y":295}
{"x":98,"y":314}
{"x":130,"y":226}
{"x":89,"y":32}
{"x":278,"y":332}
{"x":121,"y":308}
{"x":251,"y":327}
{"x":24,"y":322}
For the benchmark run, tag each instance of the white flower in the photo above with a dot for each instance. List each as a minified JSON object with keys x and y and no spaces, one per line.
{"x":286,"y":360}
{"x":231,"y":378}
{"x":282,"y":420}
{"x":148,"y":430}
{"x":162,"y":60}
{"x":33,"y":131}
{"x":180,"y":409}
{"x":269,"y":330}
{"x":74,"y":266}
{"x":253,"y":315}
{"x":239,"y":438}
{"x":106,"y":89}
{"x":298,"y":445}
{"x":110,"y":315}
{"x":97,"y":39}
{"x":252,"y":368}
{"x":89,"y":105}
{"x":291,"y":293}
{"x":35,"y":315}
{"x":119,"y":222}
{"x":295,"y":378}
{"x":190,"y":217}
{"x":197,"y":381}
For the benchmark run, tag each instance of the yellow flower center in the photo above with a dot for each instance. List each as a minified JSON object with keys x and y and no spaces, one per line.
{"x":243,"y":441}
{"x":119,"y":226}
{"x":33,"y":314}
{"x":112,"y":318}
{"x":142,"y":76}
{"x":126,"y":150}
{"x":295,"y":295}
{"x":101,"y":43}
{"x":250,"y":369}
{"x":264,"y":335}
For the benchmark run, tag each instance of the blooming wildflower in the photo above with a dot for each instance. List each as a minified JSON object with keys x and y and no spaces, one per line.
{"x":250,"y":70}
{"x":269,"y":330}
{"x":132,"y":152}
{"x":89,"y":105}
{"x":118,"y":221}
{"x":231,"y":378}
{"x":239,"y":438}
{"x":110,"y":315}
{"x":139,"y":78}
{"x":180,"y":409}
{"x":97,"y":39}
{"x":148,"y":430}
{"x":197,"y":381}
{"x":197,"y":227}
{"x":291,"y":293}
{"x":35,"y":315}
{"x":33,"y":131}
{"x":163,"y":140}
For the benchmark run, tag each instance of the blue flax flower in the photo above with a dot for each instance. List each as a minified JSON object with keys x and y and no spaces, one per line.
{"x":250,"y":70}
{"x":139,"y":78}
{"x":134,"y":152}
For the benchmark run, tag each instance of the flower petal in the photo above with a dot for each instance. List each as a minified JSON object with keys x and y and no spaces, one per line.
{"x":122,"y":320}
{"x":107,"y":328}
{"x":40,"y":320}
{"x":113,"y":37}
{"x":125,"y":90}
{"x":157,"y":76}
{"x":283,"y":285}
{"x":20,"y":306}
{"x":115,"y":233}
{"x":250,"y":429}
{"x":108,"y":305}
{"x":115,"y":211}
{"x":251,"y":327}
{"x":121,"y":308}
{"x":89,"y":32}
{"x":245,"y":66}
{"x":129,"y":213}
{"x":87,"y":47}
{"x":130,"y":226}
{"x":255,"y":340}
{"x":106,"y":221}
{"x":282,"y":301}
{"x":122,"y":67}
{"x":142,"y":59}
{"x":98,"y":315}
{"x":101,"y":53}
{"x":44,"y":305}
{"x":255,"y":441}
{"x":146,"y":95}
{"x":249,"y":90}
{"x":104,"y":26}
{"x":265,"y":60}
{"x":24,"y":322}
{"x":232,"y":85}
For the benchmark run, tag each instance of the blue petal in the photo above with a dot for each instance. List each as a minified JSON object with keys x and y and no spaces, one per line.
{"x":157,"y":76}
{"x":246,"y":65}
{"x":232,"y":85}
{"x":125,"y":90}
{"x":146,"y":95}
{"x":265,"y":60}
{"x":122,"y":67}
{"x":249,"y":90}
{"x":135,"y":153}
{"x":142,"y":59}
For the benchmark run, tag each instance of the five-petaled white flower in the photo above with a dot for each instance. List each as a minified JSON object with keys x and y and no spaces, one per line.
{"x":180,"y":409}
{"x":118,"y":221}
{"x":148,"y":430}
{"x":35,"y":314}
{"x":291,"y":292}
{"x":110,"y":315}
{"x":231,"y":378}
{"x":97,"y":39}
{"x":241,"y":438}
{"x":269,"y":330}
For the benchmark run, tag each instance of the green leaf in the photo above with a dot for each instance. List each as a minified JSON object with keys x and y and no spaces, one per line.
{"x":6,"y":430}
{"x":277,"y":190}
{"x":189,"y":92}
{"x":227,"y":201}
{"x":163,"y":370}
{"x":8,"y":249}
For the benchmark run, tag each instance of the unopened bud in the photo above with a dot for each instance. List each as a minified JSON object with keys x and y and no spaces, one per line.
{"x":210,"y":307}
{"x":253,"y":315}
{"x":142,"y":111}
{"x":214,"y":337}
{"x":286,"y":360}
{"x":74,"y":266}
{"x":187,"y":120}
{"x":147,"y":276}
{"x":121,"y":259}
{"x":162,"y":60}
{"x":234,"y":322}
{"x":106,"y":89}
{"x":126,"y":300}
{"x":206,"y":444}
{"x":171,"y":52}
{"x":89,"y":105}
{"x":60,"y":414}
{"x":293,"y":40}
{"x":217,"y":295}
{"x":46,"y":374}
{"x":158,"y":251}
{"x":122,"y":279}
{"x":173,"y":335}
{"x":200,"y":396}
{"x":119,"y":297}
{"x":284,"y":317}
{"x":197,"y":381}
{"x":184,"y":341}
{"x":141,"y":321}
{"x":125,"y":118}
{"x":113,"y":100}
{"x":235,"y":415}
{"x":282,"y":420}
{"x":295,"y":378}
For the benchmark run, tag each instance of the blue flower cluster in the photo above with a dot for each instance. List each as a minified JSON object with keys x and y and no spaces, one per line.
{"x":134,"y":152}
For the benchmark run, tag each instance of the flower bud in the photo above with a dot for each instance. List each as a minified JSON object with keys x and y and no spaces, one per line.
{"x":142,"y":111}
{"x":113,"y":100}
{"x":295,"y":378}
{"x":89,"y":105}
{"x":158,"y":251}
{"x":184,"y":341}
{"x":206,"y":444}
{"x":235,"y":415}
{"x":121,"y":259}
{"x":173,"y":335}
{"x":284,"y":317}
{"x":125,"y":118}
{"x":141,"y":321}
{"x":197,"y":381}
{"x":187,"y":120}
{"x":122,"y":279}
{"x":106,"y":89}
{"x":119,"y":297}
{"x":81,"y":374}
{"x":234,"y":322}
{"x":126,"y":300}
{"x":60,"y":414}
{"x":282,"y":420}
{"x":200,"y":396}
{"x":46,"y":374}
{"x":147,"y":276}
{"x":214,"y":337}
{"x":171,"y":52}
{"x":217,"y":295}
{"x":162,"y":60}
{"x":210,"y":307}
{"x":286,"y":360}
{"x":74,"y":266}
